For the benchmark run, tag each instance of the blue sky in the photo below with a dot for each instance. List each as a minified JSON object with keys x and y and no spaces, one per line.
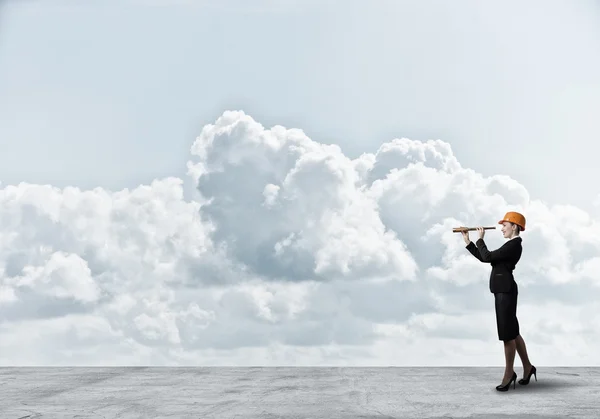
{"x":112,"y":93}
{"x":309,"y":254}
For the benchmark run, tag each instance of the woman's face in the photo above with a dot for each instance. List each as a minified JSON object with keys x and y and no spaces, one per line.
{"x":507,"y":229}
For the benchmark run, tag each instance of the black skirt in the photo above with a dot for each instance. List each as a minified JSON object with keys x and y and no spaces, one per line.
{"x":506,"y":315}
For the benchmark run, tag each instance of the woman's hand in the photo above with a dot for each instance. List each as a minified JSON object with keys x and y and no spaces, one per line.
{"x":465,"y":235}
{"x":481,"y":232}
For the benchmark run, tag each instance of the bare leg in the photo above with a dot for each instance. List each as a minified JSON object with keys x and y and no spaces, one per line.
{"x":522,"y":350}
{"x":509,"y":354}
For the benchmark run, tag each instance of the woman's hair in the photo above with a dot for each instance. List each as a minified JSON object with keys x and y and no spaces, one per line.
{"x":518,"y":227}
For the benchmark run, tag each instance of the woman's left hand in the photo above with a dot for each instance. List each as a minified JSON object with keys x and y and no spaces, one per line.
{"x":481,"y":232}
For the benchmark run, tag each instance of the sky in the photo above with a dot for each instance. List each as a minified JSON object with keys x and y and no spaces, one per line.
{"x":200,"y":183}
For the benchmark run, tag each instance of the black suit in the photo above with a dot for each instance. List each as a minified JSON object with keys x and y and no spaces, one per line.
{"x":502,"y":282}
{"x":503,"y":261}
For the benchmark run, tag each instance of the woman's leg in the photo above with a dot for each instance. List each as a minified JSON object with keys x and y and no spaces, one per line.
{"x":509,"y":355}
{"x":522,"y":350}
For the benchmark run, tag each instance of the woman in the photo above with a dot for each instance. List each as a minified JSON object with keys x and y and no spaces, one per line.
{"x":505,"y":290}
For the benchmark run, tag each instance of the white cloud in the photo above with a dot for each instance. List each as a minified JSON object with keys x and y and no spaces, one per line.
{"x":62,"y":276}
{"x":293,"y":254}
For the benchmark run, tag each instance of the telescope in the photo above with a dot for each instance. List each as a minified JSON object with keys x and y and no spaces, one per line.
{"x":461,"y":229}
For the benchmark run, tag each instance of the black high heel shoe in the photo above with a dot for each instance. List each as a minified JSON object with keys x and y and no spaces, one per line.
{"x":524,"y":381}
{"x":505,"y":387}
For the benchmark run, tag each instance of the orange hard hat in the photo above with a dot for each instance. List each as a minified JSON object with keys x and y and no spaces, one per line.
{"x":515,"y":218}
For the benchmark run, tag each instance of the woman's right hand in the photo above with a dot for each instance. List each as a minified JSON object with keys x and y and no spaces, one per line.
{"x":465,"y":235}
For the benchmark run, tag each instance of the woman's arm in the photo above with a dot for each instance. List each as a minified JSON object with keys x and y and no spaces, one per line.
{"x":503,"y":253}
{"x":475,"y":252}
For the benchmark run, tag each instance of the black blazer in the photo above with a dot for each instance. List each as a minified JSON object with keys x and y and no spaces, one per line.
{"x":503,"y":261}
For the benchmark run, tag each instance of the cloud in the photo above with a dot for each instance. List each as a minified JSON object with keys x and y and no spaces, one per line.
{"x":300,"y":212}
{"x":292,"y":253}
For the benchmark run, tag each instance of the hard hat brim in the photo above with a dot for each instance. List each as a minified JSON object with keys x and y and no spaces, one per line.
{"x":509,"y":221}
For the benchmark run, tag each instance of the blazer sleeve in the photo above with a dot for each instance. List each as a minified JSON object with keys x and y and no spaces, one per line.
{"x":503,"y":253}
{"x":474,"y":251}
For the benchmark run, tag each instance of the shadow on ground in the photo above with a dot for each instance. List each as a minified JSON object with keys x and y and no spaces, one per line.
{"x":504,"y":416}
{"x":547,"y":385}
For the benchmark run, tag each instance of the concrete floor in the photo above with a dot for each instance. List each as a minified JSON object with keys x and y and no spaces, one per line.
{"x":291,"y":392}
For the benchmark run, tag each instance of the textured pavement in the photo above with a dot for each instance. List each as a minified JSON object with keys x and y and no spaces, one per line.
{"x":290,"y":392}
